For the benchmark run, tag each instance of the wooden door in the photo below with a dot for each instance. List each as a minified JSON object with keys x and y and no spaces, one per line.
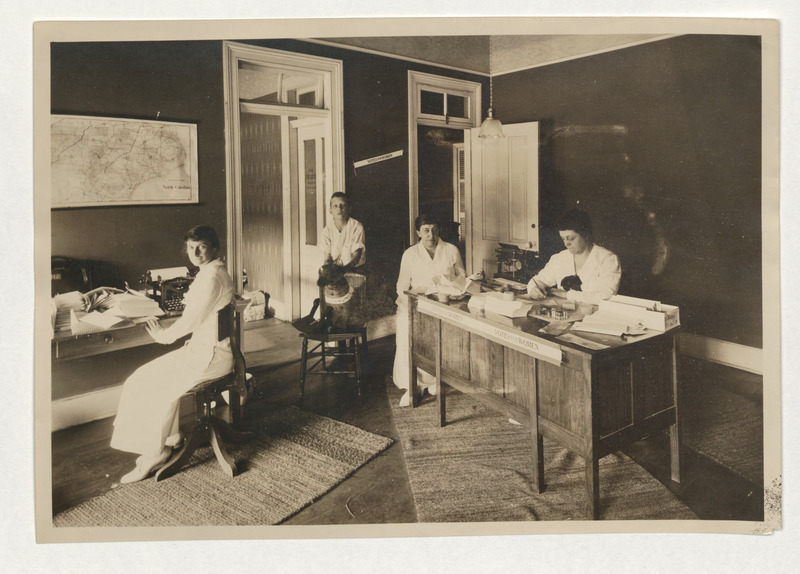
{"x":503,"y":193}
{"x":313,"y":190}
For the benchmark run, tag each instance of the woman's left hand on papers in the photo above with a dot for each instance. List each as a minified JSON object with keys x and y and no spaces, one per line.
{"x":153,"y":327}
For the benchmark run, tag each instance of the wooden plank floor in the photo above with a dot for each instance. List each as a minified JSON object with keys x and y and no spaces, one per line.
{"x":85,"y":466}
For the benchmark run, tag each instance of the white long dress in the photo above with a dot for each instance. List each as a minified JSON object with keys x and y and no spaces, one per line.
{"x":417,"y":272}
{"x":148,"y":409}
{"x":600,"y":274}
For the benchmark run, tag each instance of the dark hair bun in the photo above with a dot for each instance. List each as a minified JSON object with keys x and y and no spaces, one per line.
{"x":571,"y":282}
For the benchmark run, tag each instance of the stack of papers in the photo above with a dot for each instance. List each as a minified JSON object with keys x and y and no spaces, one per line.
{"x":449,"y":285}
{"x":132,"y":305}
{"x":60,"y":312}
{"x":495,"y":303}
{"x":609,"y":324}
{"x":100,"y":309}
{"x":92,"y":322}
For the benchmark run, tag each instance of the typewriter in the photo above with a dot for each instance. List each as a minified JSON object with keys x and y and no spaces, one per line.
{"x":515,"y":266}
{"x":167,"y":287}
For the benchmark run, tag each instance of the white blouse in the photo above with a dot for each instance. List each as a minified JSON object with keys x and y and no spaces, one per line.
{"x":418,"y":269}
{"x":341,"y":245}
{"x":600,"y":274}
{"x":211,"y":291}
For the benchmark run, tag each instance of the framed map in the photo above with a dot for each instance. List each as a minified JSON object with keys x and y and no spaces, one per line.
{"x":96,"y":161}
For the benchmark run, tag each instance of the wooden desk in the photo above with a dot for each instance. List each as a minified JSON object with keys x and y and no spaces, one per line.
{"x":592,"y":402}
{"x":66,"y":346}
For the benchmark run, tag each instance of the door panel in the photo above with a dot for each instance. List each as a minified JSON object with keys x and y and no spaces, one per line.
{"x":503,"y":193}
{"x":312,"y":177}
{"x":262,"y":198}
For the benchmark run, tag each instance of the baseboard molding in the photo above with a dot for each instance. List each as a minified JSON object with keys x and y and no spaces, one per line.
{"x":723,"y":352}
{"x":85,"y":408}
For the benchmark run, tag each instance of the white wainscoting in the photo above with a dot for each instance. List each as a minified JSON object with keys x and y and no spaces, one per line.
{"x":85,"y":408}
{"x":723,"y":352}
{"x":103,"y":403}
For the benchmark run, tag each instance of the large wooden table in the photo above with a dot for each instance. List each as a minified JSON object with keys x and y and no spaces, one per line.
{"x":592,"y":402}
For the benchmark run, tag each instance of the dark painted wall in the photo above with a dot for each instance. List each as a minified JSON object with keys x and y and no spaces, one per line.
{"x":168,"y":81}
{"x":182,"y":81}
{"x":678,"y":195}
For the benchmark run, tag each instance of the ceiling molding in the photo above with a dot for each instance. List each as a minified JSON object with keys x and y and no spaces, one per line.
{"x":427,"y":60}
{"x":490,"y":55}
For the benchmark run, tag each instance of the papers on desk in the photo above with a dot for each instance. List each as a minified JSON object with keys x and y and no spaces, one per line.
{"x":100,"y":309}
{"x":132,"y":305}
{"x":629,"y":316}
{"x":651,"y":314}
{"x":571,"y":338}
{"x":607,"y":324}
{"x":82,"y":323}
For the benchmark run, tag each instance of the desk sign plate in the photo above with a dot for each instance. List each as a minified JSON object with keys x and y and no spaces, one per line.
{"x":520,"y":341}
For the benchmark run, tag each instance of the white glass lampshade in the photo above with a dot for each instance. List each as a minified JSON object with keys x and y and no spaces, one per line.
{"x":491,"y":127}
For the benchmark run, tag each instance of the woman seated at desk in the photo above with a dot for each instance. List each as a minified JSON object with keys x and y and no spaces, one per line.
{"x":148,"y":414}
{"x":584,"y":271}
{"x":421,"y":264}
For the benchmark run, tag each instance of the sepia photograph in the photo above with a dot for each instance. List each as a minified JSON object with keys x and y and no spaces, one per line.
{"x":406,"y":277}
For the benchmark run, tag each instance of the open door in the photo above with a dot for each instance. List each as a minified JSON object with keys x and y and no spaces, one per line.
{"x":502,"y":192}
{"x":314,"y":189}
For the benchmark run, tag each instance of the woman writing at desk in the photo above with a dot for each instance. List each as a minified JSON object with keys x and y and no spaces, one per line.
{"x":584,"y":271}
{"x":147,"y":418}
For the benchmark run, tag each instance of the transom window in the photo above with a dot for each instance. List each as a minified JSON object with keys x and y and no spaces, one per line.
{"x":442,"y":101}
{"x":433,"y":102}
{"x":268,"y":84}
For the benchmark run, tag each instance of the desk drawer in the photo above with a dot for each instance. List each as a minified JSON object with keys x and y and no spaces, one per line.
{"x":97,"y":343}
{"x":78,"y":346}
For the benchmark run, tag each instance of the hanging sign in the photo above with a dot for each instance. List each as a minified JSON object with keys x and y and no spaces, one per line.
{"x":378,"y":158}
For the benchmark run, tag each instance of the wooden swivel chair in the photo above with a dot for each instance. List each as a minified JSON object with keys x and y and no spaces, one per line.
{"x":328,"y":337}
{"x":209,"y":428}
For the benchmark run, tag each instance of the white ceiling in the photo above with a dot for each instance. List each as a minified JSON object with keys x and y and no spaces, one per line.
{"x":494,"y":54}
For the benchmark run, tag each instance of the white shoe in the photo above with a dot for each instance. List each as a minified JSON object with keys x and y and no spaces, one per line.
{"x":145,"y":466}
{"x":173,"y":440}
{"x":405,"y":400}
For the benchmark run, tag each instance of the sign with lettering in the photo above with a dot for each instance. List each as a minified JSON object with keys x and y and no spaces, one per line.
{"x":528,"y":344}
{"x":378,"y":158}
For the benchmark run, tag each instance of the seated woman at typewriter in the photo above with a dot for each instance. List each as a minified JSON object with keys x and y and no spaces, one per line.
{"x":584,"y":271}
{"x":147,"y":418}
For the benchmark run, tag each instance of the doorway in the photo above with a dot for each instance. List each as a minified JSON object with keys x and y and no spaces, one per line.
{"x":285,"y":156}
{"x":439,"y":109}
{"x":438,"y":170}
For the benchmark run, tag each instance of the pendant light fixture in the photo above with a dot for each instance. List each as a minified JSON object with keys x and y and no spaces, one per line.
{"x":491,"y":126}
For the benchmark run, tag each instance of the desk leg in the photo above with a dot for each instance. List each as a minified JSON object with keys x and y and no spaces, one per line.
{"x":674,"y":430}
{"x":440,"y":401}
{"x":536,"y":437}
{"x":592,"y":488}
{"x":592,"y":466}
{"x":412,"y":368}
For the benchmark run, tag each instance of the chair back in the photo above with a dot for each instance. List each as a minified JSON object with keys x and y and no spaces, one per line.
{"x":344,"y":312}
{"x":229,"y":325}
